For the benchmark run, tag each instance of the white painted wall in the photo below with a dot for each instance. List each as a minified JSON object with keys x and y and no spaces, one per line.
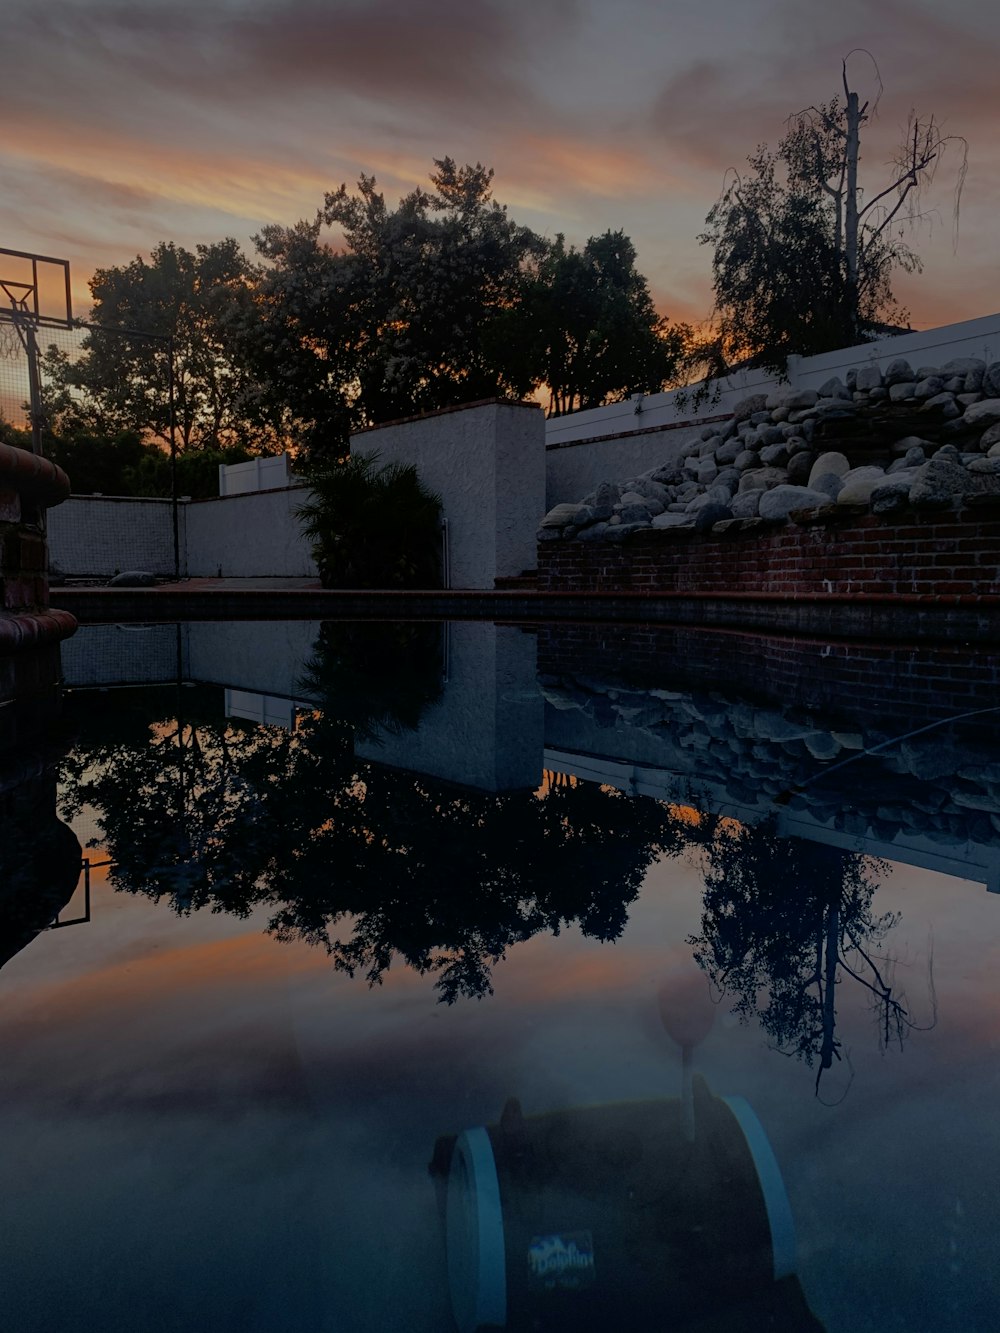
{"x":98,"y":536}
{"x":487,"y":463}
{"x":256,"y":535}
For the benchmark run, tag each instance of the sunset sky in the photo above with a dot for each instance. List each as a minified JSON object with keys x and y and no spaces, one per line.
{"x":127,"y":122}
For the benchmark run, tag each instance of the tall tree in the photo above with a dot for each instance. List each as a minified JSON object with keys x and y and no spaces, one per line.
{"x":202,"y":299}
{"x":804,"y":252}
{"x":588,"y":328}
{"x":404,"y":318}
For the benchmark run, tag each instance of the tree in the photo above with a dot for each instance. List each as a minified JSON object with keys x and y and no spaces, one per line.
{"x":405,"y":318}
{"x":445,"y":300}
{"x":588,"y":328}
{"x":804,"y":254}
{"x":203,"y":301}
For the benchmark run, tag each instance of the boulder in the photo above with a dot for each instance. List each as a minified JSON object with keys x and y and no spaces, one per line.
{"x":834,"y":409}
{"x":827,"y":483}
{"x":939,"y":483}
{"x":563,"y":516}
{"x":990,"y":382}
{"x":635,"y":513}
{"x":911,"y":442}
{"x":927,"y":372}
{"x":963,"y":365}
{"x":834,"y":387}
{"x":986,"y":413}
{"x":799,"y":468}
{"x":991,"y":436}
{"x":710,"y":514}
{"x":673,"y":521}
{"x":967,"y":399}
{"x":785,"y":500}
{"x":592,"y":534}
{"x":941,"y":405}
{"x":928,"y":386}
{"x":898,"y":372}
{"x":859,"y":484}
{"x":133,"y":578}
{"x":762,"y":479}
{"x":746,"y":407}
{"x":799,"y":399}
{"x":910,"y":461}
{"x":829,"y":462}
{"x":745,"y":505}
{"x":728,"y":452}
{"x":893,"y":493}
{"x":900,"y":390}
{"x":746,"y":459}
{"x":868,"y":378}
{"x":774,"y":455}
{"x":707,"y":472}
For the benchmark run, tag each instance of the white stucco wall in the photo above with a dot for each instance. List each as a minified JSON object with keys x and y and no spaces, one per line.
{"x":486,"y":730}
{"x":98,"y":536}
{"x":487,"y":463}
{"x":248,"y":536}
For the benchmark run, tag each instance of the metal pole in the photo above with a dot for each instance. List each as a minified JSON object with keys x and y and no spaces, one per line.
{"x":171,"y":395}
{"x":34,"y":387}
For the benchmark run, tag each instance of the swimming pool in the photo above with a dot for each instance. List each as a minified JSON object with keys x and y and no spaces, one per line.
{"x":358,"y":892}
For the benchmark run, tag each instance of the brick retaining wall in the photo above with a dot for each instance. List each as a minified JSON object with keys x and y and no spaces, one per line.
{"x":883,"y":686}
{"x":838,"y":553}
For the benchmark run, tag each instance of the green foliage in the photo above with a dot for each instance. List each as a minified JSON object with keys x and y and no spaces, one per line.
{"x":803,"y":252}
{"x":404,"y":318}
{"x":125,"y":464}
{"x":372,"y":526}
{"x":587,"y":327}
{"x":203,"y":300}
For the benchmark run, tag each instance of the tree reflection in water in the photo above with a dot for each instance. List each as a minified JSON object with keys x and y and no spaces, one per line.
{"x":363,"y":860}
{"x":784,"y":920}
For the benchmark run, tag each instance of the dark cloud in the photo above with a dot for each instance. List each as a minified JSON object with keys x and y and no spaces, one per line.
{"x":436,"y":54}
{"x":941,"y":61}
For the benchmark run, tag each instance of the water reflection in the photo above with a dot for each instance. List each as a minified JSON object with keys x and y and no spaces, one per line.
{"x":185,"y":1099}
{"x":365,"y":860}
{"x":784,"y":923}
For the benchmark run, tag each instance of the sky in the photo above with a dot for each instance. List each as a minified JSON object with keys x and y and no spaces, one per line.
{"x":128,"y":122}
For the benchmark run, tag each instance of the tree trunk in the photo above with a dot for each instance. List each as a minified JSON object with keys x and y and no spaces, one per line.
{"x":852,"y":149}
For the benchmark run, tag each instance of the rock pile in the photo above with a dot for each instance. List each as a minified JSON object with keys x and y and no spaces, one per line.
{"x":924,"y":438}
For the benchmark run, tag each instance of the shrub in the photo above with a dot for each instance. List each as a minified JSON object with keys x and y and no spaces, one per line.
{"x":373,"y":526}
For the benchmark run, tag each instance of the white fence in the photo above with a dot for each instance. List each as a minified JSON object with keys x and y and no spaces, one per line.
{"x":272,"y":473}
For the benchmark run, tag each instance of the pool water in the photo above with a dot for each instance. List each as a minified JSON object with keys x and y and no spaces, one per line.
{"x":356,"y":892}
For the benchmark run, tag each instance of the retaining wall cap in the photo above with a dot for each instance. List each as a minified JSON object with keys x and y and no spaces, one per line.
{"x":32,"y":476}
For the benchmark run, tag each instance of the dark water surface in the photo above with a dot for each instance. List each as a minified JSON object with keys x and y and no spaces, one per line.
{"x":357,"y":889}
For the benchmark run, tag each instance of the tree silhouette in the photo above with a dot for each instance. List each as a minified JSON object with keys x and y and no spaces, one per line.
{"x":361,"y":859}
{"x":783,"y":921}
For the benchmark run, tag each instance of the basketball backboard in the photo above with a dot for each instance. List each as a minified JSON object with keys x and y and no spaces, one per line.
{"x":35,"y":289}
